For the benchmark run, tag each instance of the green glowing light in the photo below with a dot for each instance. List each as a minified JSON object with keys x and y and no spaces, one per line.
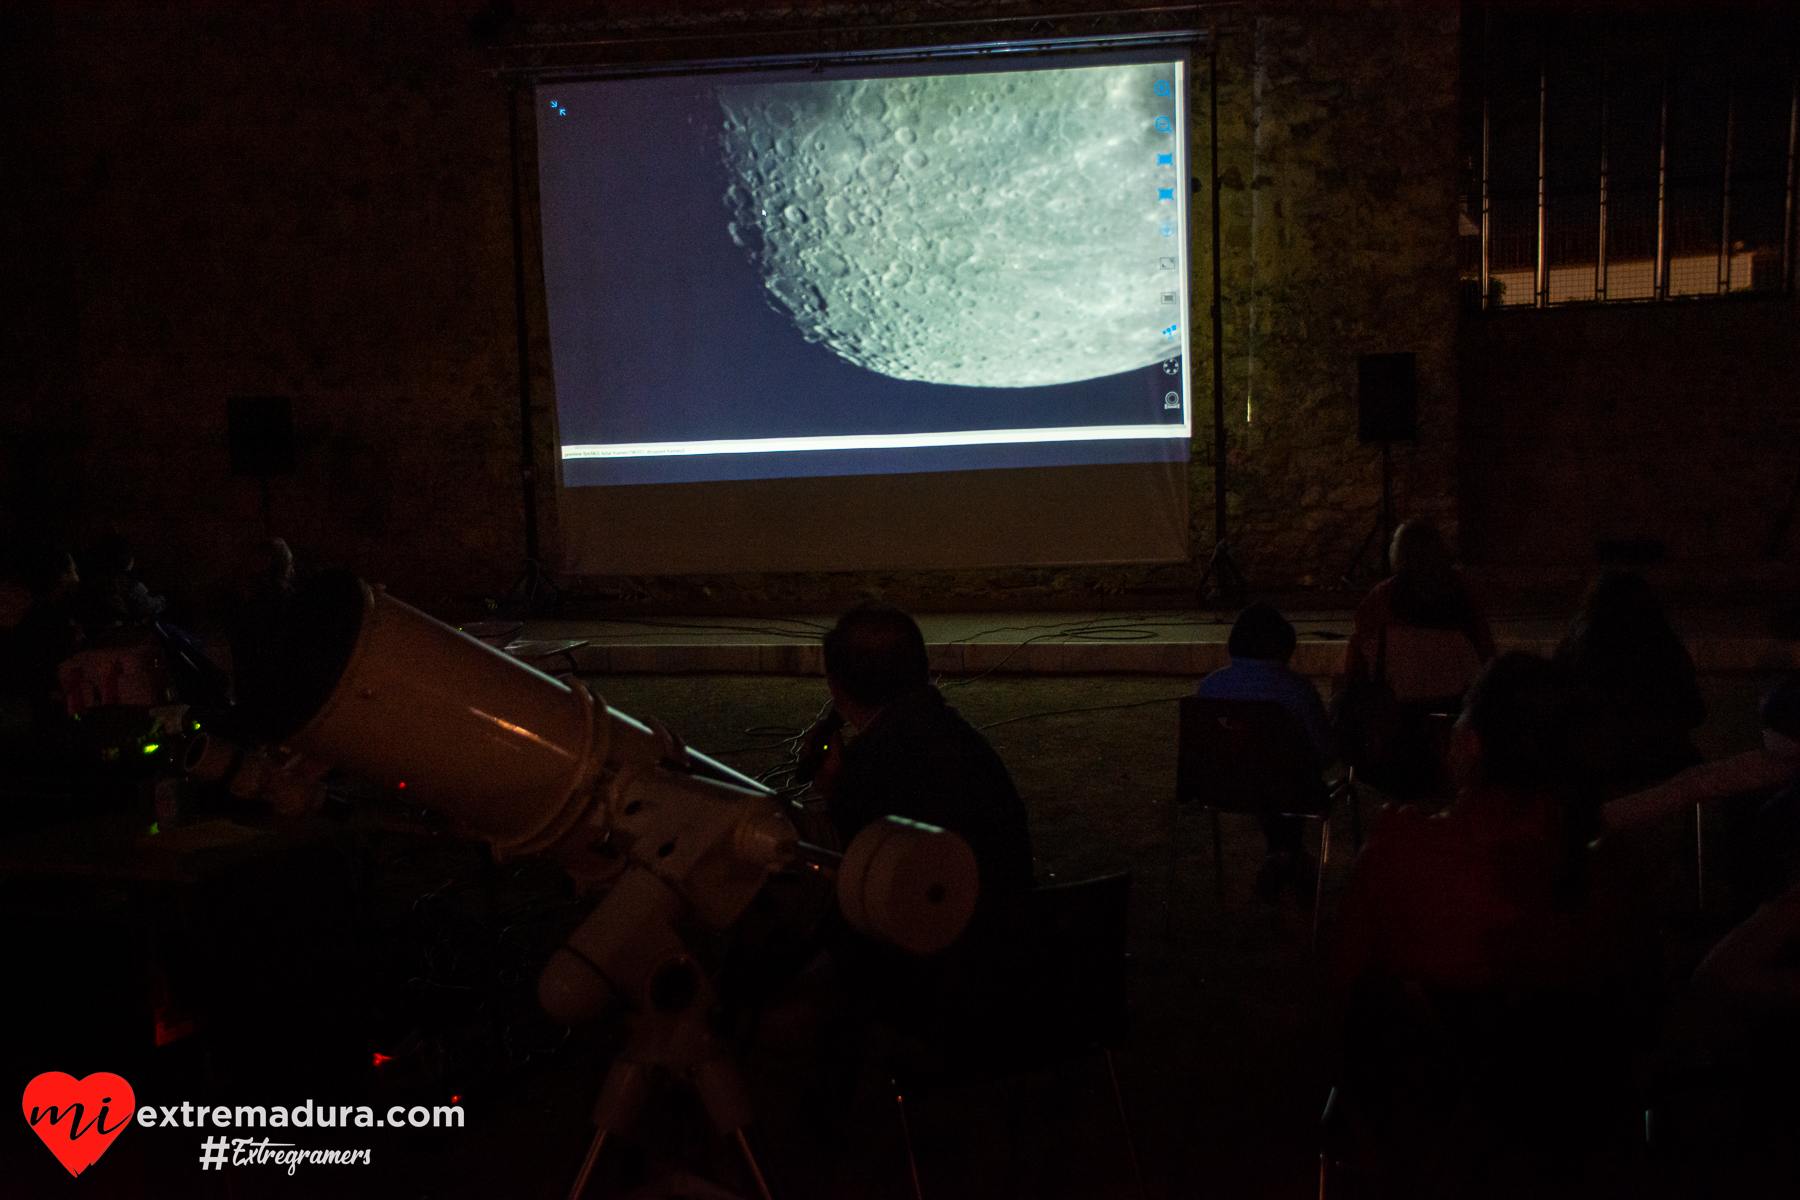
{"x":153,"y":747}
{"x":154,"y":830}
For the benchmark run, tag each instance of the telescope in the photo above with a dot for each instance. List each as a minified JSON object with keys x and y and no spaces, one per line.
{"x":663,"y":834}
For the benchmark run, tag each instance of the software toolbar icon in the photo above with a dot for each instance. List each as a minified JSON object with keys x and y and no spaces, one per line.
{"x":1165,"y":193}
{"x":1164,"y":126}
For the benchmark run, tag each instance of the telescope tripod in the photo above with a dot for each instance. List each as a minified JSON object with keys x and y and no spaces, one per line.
{"x":687,"y":1054}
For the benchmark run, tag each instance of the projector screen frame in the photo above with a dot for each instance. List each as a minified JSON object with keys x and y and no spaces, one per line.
{"x":1193,"y":44}
{"x":1190,"y":41}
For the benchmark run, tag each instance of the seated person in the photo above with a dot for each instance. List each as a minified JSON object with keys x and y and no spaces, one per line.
{"x":1775,"y":766}
{"x":1756,"y":794}
{"x":1758,"y":962}
{"x":47,"y":631}
{"x":1495,"y":943}
{"x":1723,"y":1076}
{"x":1773,"y":833}
{"x":1503,"y":888}
{"x":42,"y":633}
{"x":1261,"y":644}
{"x":1636,"y":696}
{"x":913,"y":756}
{"x":1420,"y":639}
{"x":118,"y":613}
{"x":113,"y":604}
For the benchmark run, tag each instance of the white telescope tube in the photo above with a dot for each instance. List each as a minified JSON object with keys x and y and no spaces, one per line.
{"x":376,"y":687}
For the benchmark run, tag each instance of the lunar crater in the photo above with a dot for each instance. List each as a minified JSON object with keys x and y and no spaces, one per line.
{"x":1020,"y":250}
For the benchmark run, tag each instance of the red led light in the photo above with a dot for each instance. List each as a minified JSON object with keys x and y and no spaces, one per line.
{"x":381,"y":1058}
{"x":403,"y":785}
{"x":456,"y":1099}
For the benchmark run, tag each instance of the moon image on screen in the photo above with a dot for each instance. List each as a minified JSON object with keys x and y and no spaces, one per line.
{"x":991,"y":230}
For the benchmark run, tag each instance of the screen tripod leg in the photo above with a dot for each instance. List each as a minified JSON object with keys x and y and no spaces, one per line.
{"x":1222,"y":580}
{"x":1378,"y":530}
{"x":531,"y":592}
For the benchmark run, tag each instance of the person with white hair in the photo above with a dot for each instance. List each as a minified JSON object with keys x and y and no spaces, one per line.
{"x":1418,"y":641}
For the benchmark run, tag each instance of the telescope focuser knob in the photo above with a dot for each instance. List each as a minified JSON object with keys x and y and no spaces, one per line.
{"x":909,"y":884}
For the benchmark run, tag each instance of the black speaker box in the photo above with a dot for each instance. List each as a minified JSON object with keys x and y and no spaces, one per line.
{"x":261,"y":431}
{"x":1387,"y":397}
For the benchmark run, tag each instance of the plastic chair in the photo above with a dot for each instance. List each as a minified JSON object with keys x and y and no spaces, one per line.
{"x":1038,"y":980}
{"x":1250,"y":757}
{"x":1402,"y":1096}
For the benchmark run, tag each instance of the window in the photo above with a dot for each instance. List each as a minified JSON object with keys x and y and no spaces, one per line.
{"x":1613,"y":153}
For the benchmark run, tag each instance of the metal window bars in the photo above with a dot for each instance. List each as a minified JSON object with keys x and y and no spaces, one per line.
{"x":1618,"y":274}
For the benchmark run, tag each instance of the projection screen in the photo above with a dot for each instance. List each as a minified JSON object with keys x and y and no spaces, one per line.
{"x":870,"y":317}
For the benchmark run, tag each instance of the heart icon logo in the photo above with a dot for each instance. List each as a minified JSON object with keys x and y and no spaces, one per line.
{"x":78,"y":1118}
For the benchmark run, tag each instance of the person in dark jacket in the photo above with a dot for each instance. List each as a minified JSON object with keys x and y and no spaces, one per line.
{"x":913,"y":755}
{"x":1636,"y":696}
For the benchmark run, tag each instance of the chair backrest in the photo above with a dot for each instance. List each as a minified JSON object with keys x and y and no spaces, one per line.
{"x":1429,"y":664}
{"x":1246,"y":756}
{"x":1455,"y":1074}
{"x":1039,"y":978}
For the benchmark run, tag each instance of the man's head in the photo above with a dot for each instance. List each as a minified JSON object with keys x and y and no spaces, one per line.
{"x":272,"y":564}
{"x":1261,"y":632}
{"x":875,"y":654}
{"x":1418,"y":549}
{"x":1514,"y":730}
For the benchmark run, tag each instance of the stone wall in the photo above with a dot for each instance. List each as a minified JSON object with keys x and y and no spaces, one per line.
{"x":1340,"y":242}
{"x":315,"y":201}
{"x":309,"y":201}
{"x":1668,"y":423}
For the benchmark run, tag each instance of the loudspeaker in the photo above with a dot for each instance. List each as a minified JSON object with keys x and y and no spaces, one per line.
{"x":261,"y":432}
{"x":1387,"y":397}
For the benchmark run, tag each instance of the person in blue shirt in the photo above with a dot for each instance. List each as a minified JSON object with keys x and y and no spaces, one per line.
{"x":1261,"y":644}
